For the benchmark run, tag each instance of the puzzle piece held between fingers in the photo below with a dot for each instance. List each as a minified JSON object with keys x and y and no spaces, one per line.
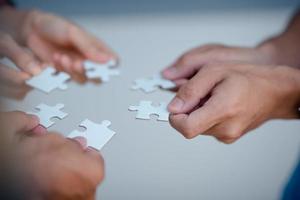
{"x":146,"y":109}
{"x":102,"y":71}
{"x":46,"y":113}
{"x":49,"y":80}
{"x":97,"y":135}
{"x":151,"y":84}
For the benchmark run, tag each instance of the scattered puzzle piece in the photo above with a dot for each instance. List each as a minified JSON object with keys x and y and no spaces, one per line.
{"x":97,"y":135}
{"x":102,"y":71}
{"x":146,"y":109}
{"x":151,"y":84}
{"x":49,"y":80}
{"x":46,"y":113}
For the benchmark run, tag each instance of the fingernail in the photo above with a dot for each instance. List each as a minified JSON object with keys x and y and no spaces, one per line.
{"x":170,"y":71}
{"x":34,"y":68}
{"x":176,"y":105}
{"x":82,"y":141}
{"x":39,"y":130}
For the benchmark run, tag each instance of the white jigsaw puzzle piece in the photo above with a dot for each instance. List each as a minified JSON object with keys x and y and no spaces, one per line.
{"x":45,"y":113}
{"x":145,"y":109}
{"x":49,"y":80}
{"x":102,"y":71}
{"x":153,"y":83}
{"x":97,"y":135}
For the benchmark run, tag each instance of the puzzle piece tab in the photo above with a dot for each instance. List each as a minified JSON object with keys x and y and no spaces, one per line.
{"x":97,"y":135}
{"x":102,"y":71}
{"x":151,"y":84}
{"x":146,"y":109}
{"x":46,"y":113}
{"x":49,"y":80}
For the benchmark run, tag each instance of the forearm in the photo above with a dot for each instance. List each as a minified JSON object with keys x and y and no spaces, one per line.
{"x":285,"y":48}
{"x":12,"y":21}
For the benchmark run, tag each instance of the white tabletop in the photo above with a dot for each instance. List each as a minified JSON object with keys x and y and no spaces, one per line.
{"x":149,"y":159}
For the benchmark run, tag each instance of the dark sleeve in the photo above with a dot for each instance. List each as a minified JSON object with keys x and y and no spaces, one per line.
{"x":6,"y":3}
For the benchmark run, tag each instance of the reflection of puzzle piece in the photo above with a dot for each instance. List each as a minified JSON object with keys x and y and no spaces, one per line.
{"x":151,"y":84}
{"x":146,"y":109}
{"x":49,"y":80}
{"x":97,"y":135}
{"x":46,"y":113}
{"x":102,"y":71}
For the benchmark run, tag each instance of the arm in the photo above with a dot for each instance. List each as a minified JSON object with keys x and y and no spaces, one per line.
{"x":285,"y":48}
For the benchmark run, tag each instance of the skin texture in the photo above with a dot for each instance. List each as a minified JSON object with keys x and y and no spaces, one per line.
{"x":48,"y":39}
{"x":227,"y":91}
{"x":52,"y":166}
{"x":228,"y":100}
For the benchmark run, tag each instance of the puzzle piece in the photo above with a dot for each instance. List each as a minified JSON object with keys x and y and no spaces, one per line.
{"x":102,"y":71}
{"x":46,"y":113}
{"x":49,"y":80}
{"x":151,"y":84}
{"x":146,"y":109}
{"x":97,"y":135}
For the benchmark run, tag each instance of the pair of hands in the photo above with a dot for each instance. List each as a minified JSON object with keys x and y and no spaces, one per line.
{"x":52,"y":166}
{"x":57,"y":168}
{"x":228,"y":91}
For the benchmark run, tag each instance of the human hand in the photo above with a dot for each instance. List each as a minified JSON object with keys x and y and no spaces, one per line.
{"x":23,"y":59}
{"x":190,"y":62}
{"x":53,"y":167}
{"x":228,"y":100}
{"x":62,"y":43}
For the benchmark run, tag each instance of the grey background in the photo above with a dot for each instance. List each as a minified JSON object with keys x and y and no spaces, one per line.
{"x":148,"y":159}
{"x":121,"y":7}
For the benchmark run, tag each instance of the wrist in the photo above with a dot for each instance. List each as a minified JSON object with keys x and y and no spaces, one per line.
{"x":287,"y":92}
{"x":271,"y":51}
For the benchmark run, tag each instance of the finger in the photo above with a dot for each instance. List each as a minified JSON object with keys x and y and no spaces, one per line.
{"x":89,"y":46}
{"x":82,"y":141}
{"x":191,"y":93}
{"x":39,"y":130}
{"x":10,"y":76}
{"x":41,"y":48}
{"x":187,"y":65}
{"x":229,"y":130}
{"x":21,"y":122}
{"x":23,"y":59}
{"x":197,"y":122}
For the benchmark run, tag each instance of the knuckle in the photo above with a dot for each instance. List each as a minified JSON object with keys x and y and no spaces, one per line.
{"x":233,"y":109}
{"x":232,"y":132}
{"x":185,"y":59}
{"x":189,"y":131}
{"x":187,"y":91}
{"x":214,"y":68}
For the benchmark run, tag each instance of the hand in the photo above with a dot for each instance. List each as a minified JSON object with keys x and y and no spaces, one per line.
{"x":53,"y":167}
{"x":189,"y":63}
{"x":22,"y":58}
{"x":228,"y":100}
{"x":62,"y":43}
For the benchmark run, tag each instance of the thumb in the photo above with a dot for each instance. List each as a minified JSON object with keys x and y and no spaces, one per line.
{"x":190,"y":94}
{"x":20,"y":122}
